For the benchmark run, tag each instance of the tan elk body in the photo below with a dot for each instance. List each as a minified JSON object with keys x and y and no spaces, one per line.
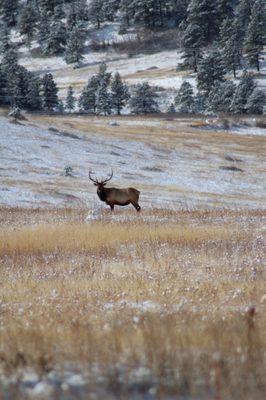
{"x":114,"y":196}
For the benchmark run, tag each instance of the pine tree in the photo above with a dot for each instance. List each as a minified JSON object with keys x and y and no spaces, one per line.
{"x":224,"y":10}
{"x":229,"y":43}
{"x":28,"y":22}
{"x":220,"y":97}
{"x":211,"y":69}
{"x":200,"y":103}
{"x":127,"y":10}
{"x":3,"y":88}
{"x":43,"y":29}
{"x":55,"y":40}
{"x":103,"y":99}
{"x":19,"y":87}
{"x":254,"y":39}
{"x":87,"y":100}
{"x":256,"y":102}
{"x":9,"y":11}
{"x":243,"y":92}
{"x":75,"y":45}
{"x":5,"y":44}
{"x":110,"y":9}
{"x":78,"y":14}
{"x":34,"y":98}
{"x":171,"y":109}
{"x":48,"y":6}
{"x":49,"y":92}
{"x":96,"y":12}
{"x":60,"y":106}
{"x":70,"y":99}
{"x":192,"y":43}
{"x":185,"y":98}
{"x":119,"y":92}
{"x":203,"y":14}
{"x":242,"y":18}
{"x":103,"y":75}
{"x":144,"y":99}
{"x":9,"y":69}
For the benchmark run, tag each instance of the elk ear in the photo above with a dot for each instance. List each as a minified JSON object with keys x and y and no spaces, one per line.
{"x":104,"y":184}
{"x":95,"y":184}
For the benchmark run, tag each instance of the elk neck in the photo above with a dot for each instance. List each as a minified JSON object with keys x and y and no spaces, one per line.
{"x":102,"y":193}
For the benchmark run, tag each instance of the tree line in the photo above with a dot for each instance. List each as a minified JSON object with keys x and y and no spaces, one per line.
{"x":105,"y":94}
{"x":61,"y":26}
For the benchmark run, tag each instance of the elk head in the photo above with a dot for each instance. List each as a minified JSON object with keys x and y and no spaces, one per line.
{"x":100,"y":184}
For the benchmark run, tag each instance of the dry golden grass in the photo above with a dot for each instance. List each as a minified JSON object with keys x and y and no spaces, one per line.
{"x":173,"y":296}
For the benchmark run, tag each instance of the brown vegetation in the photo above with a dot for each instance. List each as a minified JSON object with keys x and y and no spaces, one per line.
{"x":179,"y":294}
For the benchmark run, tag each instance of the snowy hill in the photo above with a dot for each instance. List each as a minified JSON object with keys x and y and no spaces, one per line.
{"x":177,"y":163}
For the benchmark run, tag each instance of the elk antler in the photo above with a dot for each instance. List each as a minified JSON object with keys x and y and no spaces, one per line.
{"x":109,"y":177}
{"x":90,"y":177}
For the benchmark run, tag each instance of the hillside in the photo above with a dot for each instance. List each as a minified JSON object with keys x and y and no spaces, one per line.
{"x":175,"y":162}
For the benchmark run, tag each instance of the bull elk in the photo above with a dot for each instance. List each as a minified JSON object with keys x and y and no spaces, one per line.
{"x":114,"y":196}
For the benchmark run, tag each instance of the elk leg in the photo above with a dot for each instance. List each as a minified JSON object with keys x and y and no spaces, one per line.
{"x":137,"y":206}
{"x":112,"y":207}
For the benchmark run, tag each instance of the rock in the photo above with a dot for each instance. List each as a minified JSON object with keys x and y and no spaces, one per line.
{"x":75,"y":380}
{"x":40,"y":390}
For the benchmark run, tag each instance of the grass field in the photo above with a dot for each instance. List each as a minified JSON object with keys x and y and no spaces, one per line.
{"x":165,"y":304}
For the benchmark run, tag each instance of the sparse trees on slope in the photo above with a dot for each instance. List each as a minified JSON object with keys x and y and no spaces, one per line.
{"x":254,"y":39}
{"x":119,"y":92}
{"x":49,"y":92}
{"x":184,"y":100}
{"x":70,"y":99}
{"x":144,"y":99}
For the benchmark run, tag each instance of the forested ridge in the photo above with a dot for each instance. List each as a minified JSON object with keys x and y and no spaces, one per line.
{"x":219,"y":39}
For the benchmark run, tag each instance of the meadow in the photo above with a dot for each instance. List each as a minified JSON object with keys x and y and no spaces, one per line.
{"x":165,"y":304}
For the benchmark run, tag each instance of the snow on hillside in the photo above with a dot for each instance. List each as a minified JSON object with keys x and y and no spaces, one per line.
{"x":187,"y":174}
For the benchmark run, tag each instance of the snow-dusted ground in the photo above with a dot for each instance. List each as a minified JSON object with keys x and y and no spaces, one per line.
{"x":181,"y":172}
